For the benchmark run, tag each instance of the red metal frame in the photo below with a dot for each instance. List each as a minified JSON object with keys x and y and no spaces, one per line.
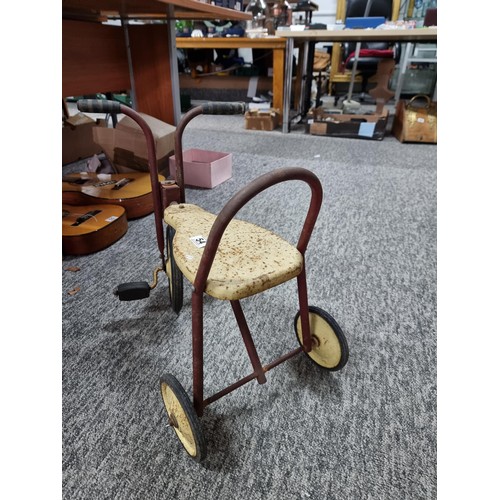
{"x":221,"y":222}
{"x":153,"y":171}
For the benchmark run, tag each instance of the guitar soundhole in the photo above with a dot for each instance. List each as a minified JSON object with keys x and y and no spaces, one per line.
{"x":86,"y":217}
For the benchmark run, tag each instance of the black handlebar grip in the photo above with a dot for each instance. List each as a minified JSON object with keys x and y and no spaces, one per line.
{"x":223,"y":108}
{"x":98,"y":106}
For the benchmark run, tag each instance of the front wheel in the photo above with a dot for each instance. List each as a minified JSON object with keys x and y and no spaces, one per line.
{"x":329,"y":345}
{"x":182,"y":417}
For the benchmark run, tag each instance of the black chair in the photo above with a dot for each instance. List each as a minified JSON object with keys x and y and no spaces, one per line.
{"x":370,"y":52}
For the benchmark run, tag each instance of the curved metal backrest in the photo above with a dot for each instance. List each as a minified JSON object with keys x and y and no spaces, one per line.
{"x":244,"y":196}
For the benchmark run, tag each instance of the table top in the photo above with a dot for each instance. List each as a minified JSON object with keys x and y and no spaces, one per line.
{"x":363,"y":35}
{"x":268,"y":42}
{"x":351,"y":35}
{"x":102,"y":10}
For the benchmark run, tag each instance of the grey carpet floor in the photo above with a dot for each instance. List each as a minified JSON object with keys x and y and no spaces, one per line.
{"x":365,"y":432}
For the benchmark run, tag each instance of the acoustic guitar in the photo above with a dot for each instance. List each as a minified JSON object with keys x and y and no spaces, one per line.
{"x":90,"y":228}
{"x":131,"y":191}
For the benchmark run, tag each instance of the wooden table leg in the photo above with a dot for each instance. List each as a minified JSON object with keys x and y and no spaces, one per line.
{"x":278,"y":80}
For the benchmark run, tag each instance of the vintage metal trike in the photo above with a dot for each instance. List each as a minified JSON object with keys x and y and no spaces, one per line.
{"x":238,"y":259}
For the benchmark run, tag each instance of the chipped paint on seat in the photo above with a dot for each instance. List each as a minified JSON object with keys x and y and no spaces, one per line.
{"x":249,"y":260}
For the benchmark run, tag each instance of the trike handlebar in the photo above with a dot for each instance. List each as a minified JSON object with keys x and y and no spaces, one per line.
{"x":223,"y":108}
{"x":99,"y":106}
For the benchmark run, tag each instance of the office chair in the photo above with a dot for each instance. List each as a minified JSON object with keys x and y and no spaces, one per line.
{"x":370,"y":52}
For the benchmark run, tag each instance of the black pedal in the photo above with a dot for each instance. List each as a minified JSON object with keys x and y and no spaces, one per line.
{"x":133,"y":291}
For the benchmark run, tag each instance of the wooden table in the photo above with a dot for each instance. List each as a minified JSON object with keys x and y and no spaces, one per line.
{"x":100,"y":58}
{"x":306,"y":40}
{"x":276,"y":44}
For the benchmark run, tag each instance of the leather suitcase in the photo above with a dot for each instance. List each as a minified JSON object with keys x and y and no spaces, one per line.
{"x":416,"y":120}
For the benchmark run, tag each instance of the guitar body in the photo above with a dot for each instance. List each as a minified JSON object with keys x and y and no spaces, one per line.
{"x":90,"y":228}
{"x":131,"y":191}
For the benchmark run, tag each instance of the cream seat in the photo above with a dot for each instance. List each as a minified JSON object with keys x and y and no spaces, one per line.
{"x":249,"y":260}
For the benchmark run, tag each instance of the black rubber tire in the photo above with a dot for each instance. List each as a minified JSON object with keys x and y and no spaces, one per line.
{"x":336,"y":333}
{"x":175,"y":285}
{"x":182,"y":417}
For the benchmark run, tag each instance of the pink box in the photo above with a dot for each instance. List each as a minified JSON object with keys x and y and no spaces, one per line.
{"x":203,"y":168}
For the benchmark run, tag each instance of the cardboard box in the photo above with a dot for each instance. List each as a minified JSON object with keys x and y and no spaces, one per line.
{"x":203,"y":168}
{"x":367,"y":126}
{"x":262,"y":119}
{"x":77,"y":138}
{"x":126,"y":148}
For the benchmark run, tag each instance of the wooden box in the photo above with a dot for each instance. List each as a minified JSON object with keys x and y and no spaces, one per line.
{"x":365,"y":126}
{"x":416,"y":120}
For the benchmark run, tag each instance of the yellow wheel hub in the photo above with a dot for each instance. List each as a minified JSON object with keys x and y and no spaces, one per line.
{"x":178,"y":419}
{"x":326,"y":348}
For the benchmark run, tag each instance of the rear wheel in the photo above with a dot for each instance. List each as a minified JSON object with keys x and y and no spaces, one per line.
{"x":175,"y":283}
{"x":329,"y":345}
